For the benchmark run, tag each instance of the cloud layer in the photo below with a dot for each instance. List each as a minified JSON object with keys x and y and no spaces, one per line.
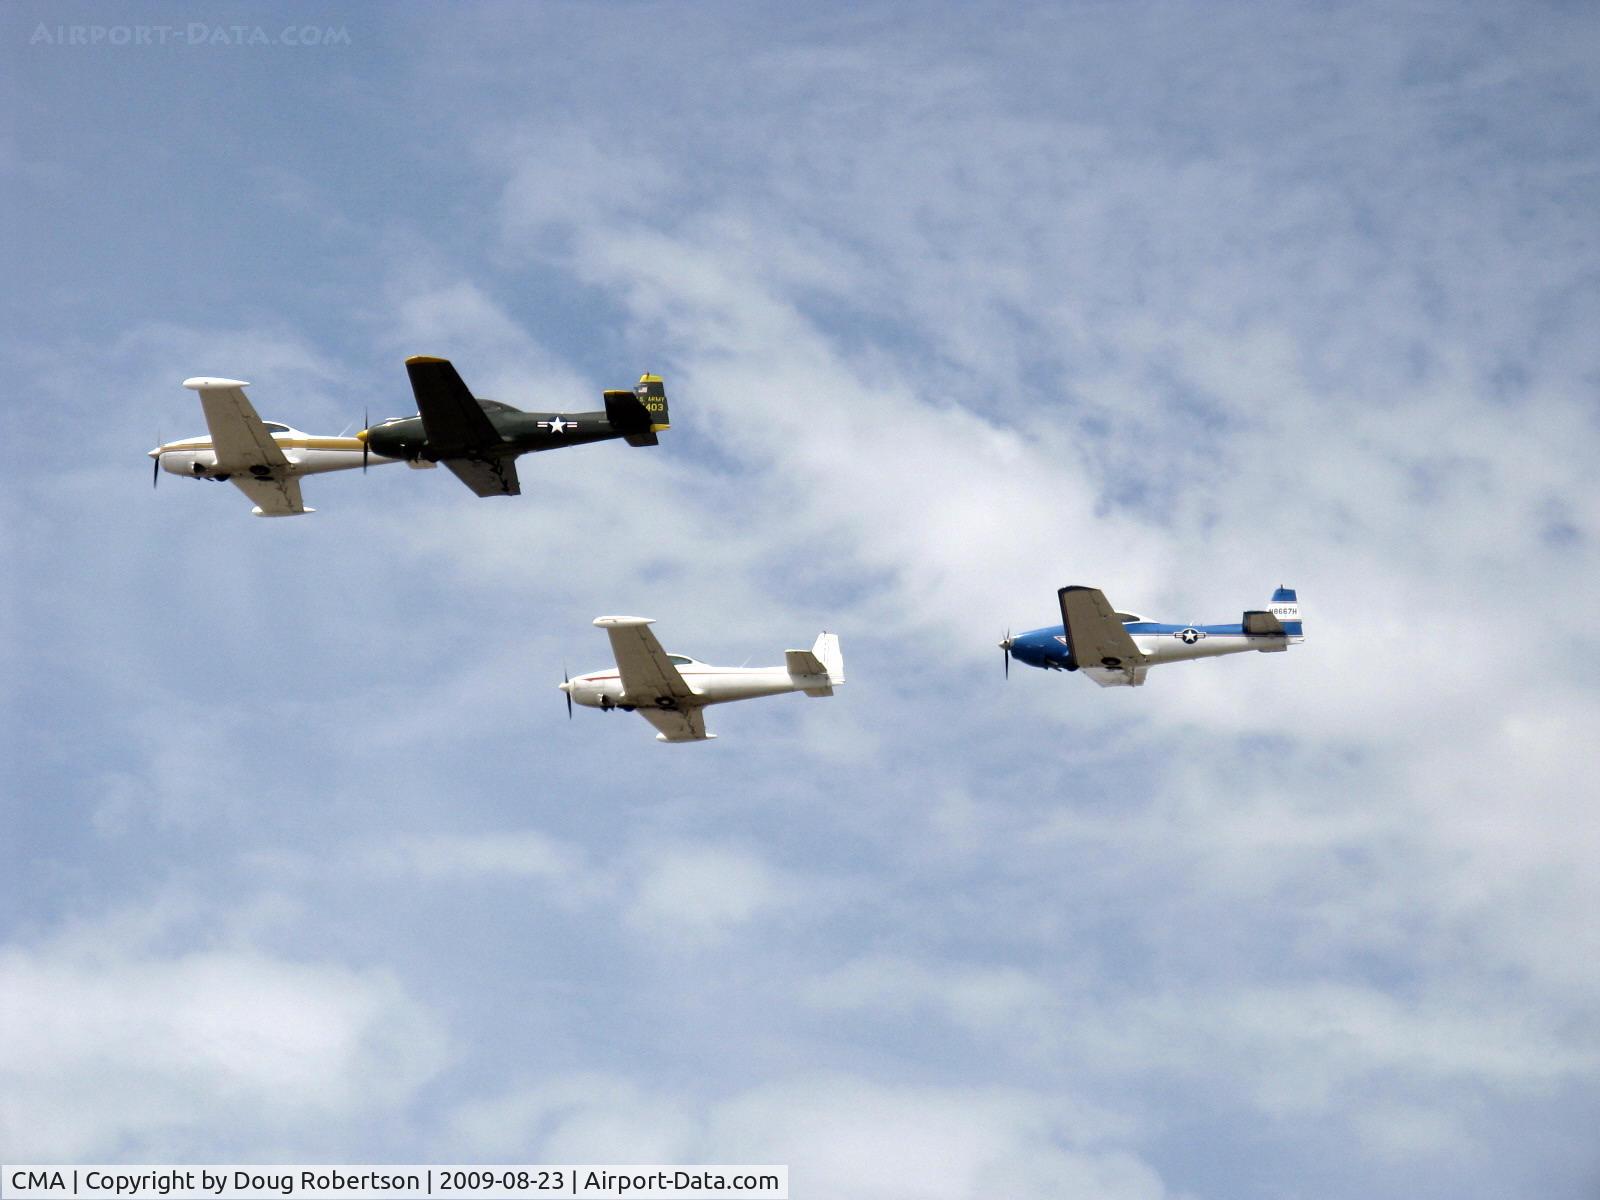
{"x":953,"y":308}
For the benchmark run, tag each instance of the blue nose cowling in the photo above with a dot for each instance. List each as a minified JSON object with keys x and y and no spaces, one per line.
{"x":1025,"y":649}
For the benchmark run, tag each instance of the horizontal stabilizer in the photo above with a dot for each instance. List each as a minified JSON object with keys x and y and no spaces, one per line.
{"x":803,"y":662}
{"x":1258,"y":622}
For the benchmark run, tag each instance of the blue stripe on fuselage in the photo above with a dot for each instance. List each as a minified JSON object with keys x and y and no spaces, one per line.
{"x":1047,"y":647}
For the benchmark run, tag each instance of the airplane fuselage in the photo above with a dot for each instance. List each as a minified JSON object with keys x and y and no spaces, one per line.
{"x":308,"y":454}
{"x":1162,"y":643}
{"x":711,"y":685}
{"x":520,"y":433}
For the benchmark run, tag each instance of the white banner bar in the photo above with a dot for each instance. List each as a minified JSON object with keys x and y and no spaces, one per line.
{"x":520,"y":1181}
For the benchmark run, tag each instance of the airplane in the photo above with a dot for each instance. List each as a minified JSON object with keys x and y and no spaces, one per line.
{"x":671,"y":690}
{"x":263,"y":459}
{"x":479,"y":440}
{"x":1116,"y":649}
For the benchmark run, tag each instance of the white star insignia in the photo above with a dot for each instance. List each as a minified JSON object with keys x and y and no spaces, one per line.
{"x":557,"y":425}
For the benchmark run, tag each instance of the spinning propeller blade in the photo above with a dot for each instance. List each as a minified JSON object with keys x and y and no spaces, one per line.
{"x":365,"y":450}
{"x":566,"y":682}
{"x":1005,"y":647}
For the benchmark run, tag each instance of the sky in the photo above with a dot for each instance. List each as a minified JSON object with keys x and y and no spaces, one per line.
{"x":955,"y":305}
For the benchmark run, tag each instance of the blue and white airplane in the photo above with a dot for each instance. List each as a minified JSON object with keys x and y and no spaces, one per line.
{"x":1115,"y":649}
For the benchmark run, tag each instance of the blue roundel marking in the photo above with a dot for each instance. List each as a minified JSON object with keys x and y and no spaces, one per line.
{"x":1190,"y":636}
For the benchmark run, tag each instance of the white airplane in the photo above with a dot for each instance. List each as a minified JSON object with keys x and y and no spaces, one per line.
{"x":1115,"y":649}
{"x":264,"y":460}
{"x":670,"y":690}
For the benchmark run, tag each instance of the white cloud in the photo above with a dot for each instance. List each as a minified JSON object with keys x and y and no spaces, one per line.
{"x":523,"y":853}
{"x":577,"y":1118}
{"x":841,"y":1135}
{"x":851,"y":1138}
{"x":696,"y":895}
{"x":108,"y":1048}
{"x":994,"y":1003}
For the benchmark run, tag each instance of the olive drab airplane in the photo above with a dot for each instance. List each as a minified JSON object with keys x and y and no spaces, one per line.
{"x":671,"y":690}
{"x":479,"y":440}
{"x":1115,"y":649}
{"x":263,"y":459}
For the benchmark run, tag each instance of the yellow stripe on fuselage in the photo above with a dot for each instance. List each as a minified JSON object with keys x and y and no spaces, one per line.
{"x":310,"y":443}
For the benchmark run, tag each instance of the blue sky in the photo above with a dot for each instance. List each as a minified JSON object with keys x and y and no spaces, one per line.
{"x":955,"y":305}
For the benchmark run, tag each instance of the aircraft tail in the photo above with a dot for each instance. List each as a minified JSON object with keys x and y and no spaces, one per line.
{"x":1285,"y":606}
{"x":826,"y":649}
{"x":823,"y":662}
{"x":640,"y":414}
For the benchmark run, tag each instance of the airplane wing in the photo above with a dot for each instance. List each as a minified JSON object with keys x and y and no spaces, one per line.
{"x":278,"y":497}
{"x":678,"y":725}
{"x":647,"y":674}
{"x":486,"y":477}
{"x":1095,"y":636}
{"x":454,"y":422}
{"x":239,"y":438}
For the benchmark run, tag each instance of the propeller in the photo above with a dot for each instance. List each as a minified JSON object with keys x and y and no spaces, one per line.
{"x":366,"y":451}
{"x":566,"y":686}
{"x":1006,"y":647}
{"x":155,"y":473}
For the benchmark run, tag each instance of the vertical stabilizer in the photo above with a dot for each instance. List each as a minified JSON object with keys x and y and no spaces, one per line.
{"x":1285,"y":605}
{"x":826,"y":648}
